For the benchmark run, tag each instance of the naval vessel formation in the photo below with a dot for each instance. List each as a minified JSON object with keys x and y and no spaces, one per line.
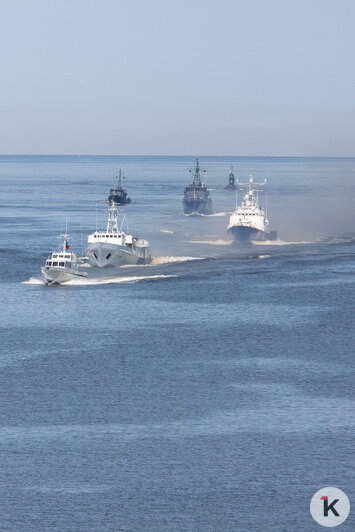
{"x":116,"y":246}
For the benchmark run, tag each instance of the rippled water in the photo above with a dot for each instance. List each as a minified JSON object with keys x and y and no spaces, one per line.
{"x":211,"y":390}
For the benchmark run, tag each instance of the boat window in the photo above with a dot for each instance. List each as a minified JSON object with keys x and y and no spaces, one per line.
{"x":67,"y":256}
{"x":49,"y":263}
{"x":61,"y":264}
{"x":55,"y":263}
{"x":55,"y":256}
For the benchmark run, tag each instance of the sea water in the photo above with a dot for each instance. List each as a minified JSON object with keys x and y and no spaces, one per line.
{"x":211,"y":390}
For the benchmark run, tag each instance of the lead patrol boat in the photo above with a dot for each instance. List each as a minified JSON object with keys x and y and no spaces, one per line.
{"x":114,"y":247}
{"x":62,"y":266}
{"x":249,"y":222}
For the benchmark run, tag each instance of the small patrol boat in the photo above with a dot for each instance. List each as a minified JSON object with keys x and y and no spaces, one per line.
{"x":114,"y":247}
{"x":249,"y":221}
{"x":119,"y":194}
{"x":196,"y":196}
{"x":62,"y":266}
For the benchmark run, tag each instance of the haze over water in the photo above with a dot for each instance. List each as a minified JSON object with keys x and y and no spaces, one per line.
{"x":211,"y":390}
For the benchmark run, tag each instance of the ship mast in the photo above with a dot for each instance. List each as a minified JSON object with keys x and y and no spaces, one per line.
{"x":120,"y":177}
{"x":65,"y":236}
{"x":197,"y":174}
{"x":112,"y":219}
{"x":250,"y":198}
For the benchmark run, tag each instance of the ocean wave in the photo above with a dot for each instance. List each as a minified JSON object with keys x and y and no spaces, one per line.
{"x":280,"y":242}
{"x":207,"y":215}
{"x":113,"y":280}
{"x":34,"y":281}
{"x":166,"y":260}
{"x":320,"y":240}
{"x":218,"y":242}
{"x":87,"y":281}
{"x":217,"y":214}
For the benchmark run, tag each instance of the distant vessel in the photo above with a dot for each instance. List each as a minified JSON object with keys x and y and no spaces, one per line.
{"x":196,"y":196}
{"x":119,"y":194}
{"x":62,"y":266}
{"x":114,"y":247}
{"x":248,"y":222}
{"x":231,"y":181}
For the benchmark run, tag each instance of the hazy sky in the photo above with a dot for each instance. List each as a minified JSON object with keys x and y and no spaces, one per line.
{"x":220,"y":77}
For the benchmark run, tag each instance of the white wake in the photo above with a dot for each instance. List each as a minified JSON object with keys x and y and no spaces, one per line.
{"x":86,"y":281}
{"x":218,"y":242}
{"x":34,"y":281}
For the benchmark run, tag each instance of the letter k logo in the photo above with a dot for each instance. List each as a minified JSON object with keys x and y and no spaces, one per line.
{"x":330,"y":507}
{"x":327,"y":507}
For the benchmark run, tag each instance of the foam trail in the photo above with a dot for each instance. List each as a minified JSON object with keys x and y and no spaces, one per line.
{"x":86,"y":281}
{"x":158,"y":261}
{"x":166,"y":260}
{"x":208,"y":215}
{"x":167,"y":231}
{"x":34,"y":281}
{"x":113,"y":280}
{"x":217,"y":214}
{"x":218,"y":242}
{"x":278,"y":243}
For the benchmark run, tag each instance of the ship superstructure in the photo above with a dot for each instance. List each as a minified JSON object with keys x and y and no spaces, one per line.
{"x":119,"y":194}
{"x":196,"y":196}
{"x":249,"y":221}
{"x":114,"y":247}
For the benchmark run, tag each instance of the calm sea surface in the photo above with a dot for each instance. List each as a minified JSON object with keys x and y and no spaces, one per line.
{"x":209,"y":391}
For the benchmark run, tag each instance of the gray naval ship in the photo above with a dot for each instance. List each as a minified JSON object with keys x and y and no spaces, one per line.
{"x":196,"y":196}
{"x":119,"y":194}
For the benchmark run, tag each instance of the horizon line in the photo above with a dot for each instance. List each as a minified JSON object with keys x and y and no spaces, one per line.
{"x":185,"y":155}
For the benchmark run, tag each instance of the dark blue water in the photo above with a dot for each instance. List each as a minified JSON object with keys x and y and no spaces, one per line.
{"x":212,"y":390}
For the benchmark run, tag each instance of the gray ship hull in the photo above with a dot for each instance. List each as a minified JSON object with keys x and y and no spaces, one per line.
{"x":197,"y":206}
{"x":119,"y":196}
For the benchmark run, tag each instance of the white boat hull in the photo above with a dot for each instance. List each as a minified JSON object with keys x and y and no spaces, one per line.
{"x":60,"y":275}
{"x":103,"y":255}
{"x":245,"y":234}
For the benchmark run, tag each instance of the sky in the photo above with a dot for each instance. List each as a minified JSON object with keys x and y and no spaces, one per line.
{"x":177,"y":77}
